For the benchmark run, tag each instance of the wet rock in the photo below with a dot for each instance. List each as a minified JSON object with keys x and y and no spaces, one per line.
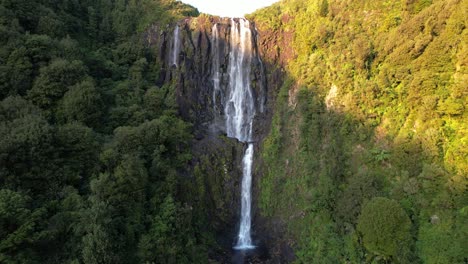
{"x":216,"y":157}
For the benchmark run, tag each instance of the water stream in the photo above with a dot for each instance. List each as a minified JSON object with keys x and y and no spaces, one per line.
{"x":239,"y":111}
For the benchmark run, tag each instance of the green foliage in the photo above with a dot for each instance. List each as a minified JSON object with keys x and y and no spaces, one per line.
{"x":438,"y":243}
{"x":82,"y":103}
{"x":385,"y":228}
{"x":272,"y":147}
{"x":91,"y":153}
{"x":395,"y":128}
{"x":362,"y":187}
{"x":18,"y":227}
{"x":78,"y":182}
{"x":54,"y":81}
{"x":78,"y":148}
{"x":121,"y":197}
{"x":16,"y":73}
{"x":25,"y":145}
{"x":322,"y":242}
{"x":270,"y":16}
{"x":170,"y":238}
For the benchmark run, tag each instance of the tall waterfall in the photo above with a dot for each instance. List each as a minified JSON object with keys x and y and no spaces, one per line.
{"x":176,"y":46}
{"x":239,"y":110}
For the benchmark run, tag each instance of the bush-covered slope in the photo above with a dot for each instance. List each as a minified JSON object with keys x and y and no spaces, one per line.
{"x":375,"y":105}
{"x":91,"y":151}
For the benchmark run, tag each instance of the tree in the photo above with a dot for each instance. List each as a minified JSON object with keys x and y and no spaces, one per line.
{"x":17,"y":227}
{"x":363,"y":186}
{"x":82,"y":103}
{"x":62,"y":200}
{"x":40,"y":49}
{"x":385,"y":228}
{"x":170,"y":238}
{"x":98,"y":244}
{"x":25,"y":146}
{"x":24,"y":10}
{"x":116,"y":214}
{"x":18,"y":73}
{"x":54,"y":80}
{"x":439,"y":243}
{"x":78,"y":153}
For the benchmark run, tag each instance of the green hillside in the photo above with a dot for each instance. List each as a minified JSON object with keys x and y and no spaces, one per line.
{"x":366,"y":161}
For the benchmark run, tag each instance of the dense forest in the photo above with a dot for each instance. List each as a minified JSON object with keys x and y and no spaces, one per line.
{"x":90,"y":148}
{"x":365,"y":160}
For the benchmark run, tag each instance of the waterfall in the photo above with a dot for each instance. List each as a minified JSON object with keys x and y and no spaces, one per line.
{"x":239,"y":110}
{"x":175,"y":46}
{"x":216,"y":65}
{"x":244,"y":239}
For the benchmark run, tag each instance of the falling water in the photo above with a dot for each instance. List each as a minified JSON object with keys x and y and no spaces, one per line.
{"x":244,"y":239}
{"x":176,"y":46}
{"x":239,"y":110}
{"x":216,"y":65}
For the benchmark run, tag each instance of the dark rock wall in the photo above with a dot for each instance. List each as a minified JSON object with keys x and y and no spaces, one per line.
{"x":216,"y":164}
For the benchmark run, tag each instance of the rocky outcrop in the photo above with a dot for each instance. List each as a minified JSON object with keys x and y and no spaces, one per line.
{"x":193,"y":74}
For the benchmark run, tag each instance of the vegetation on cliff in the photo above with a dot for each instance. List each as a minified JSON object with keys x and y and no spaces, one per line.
{"x":374,"y":106}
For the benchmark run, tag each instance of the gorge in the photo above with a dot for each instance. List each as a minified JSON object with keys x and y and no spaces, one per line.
{"x":310,"y":131}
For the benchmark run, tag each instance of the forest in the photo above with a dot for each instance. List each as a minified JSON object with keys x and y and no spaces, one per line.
{"x":90,"y":148}
{"x":365,"y":160}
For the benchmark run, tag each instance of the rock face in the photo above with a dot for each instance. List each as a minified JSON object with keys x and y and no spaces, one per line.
{"x":201,"y":64}
{"x":193,"y":73}
{"x":200,"y":74}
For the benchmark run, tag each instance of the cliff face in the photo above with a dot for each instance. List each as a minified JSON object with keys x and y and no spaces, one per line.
{"x":193,"y":74}
{"x":216,"y":164}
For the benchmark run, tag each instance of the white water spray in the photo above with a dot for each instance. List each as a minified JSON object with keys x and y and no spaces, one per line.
{"x":239,"y":110}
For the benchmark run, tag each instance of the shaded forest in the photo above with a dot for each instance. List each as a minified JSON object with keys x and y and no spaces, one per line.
{"x":91,"y":150}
